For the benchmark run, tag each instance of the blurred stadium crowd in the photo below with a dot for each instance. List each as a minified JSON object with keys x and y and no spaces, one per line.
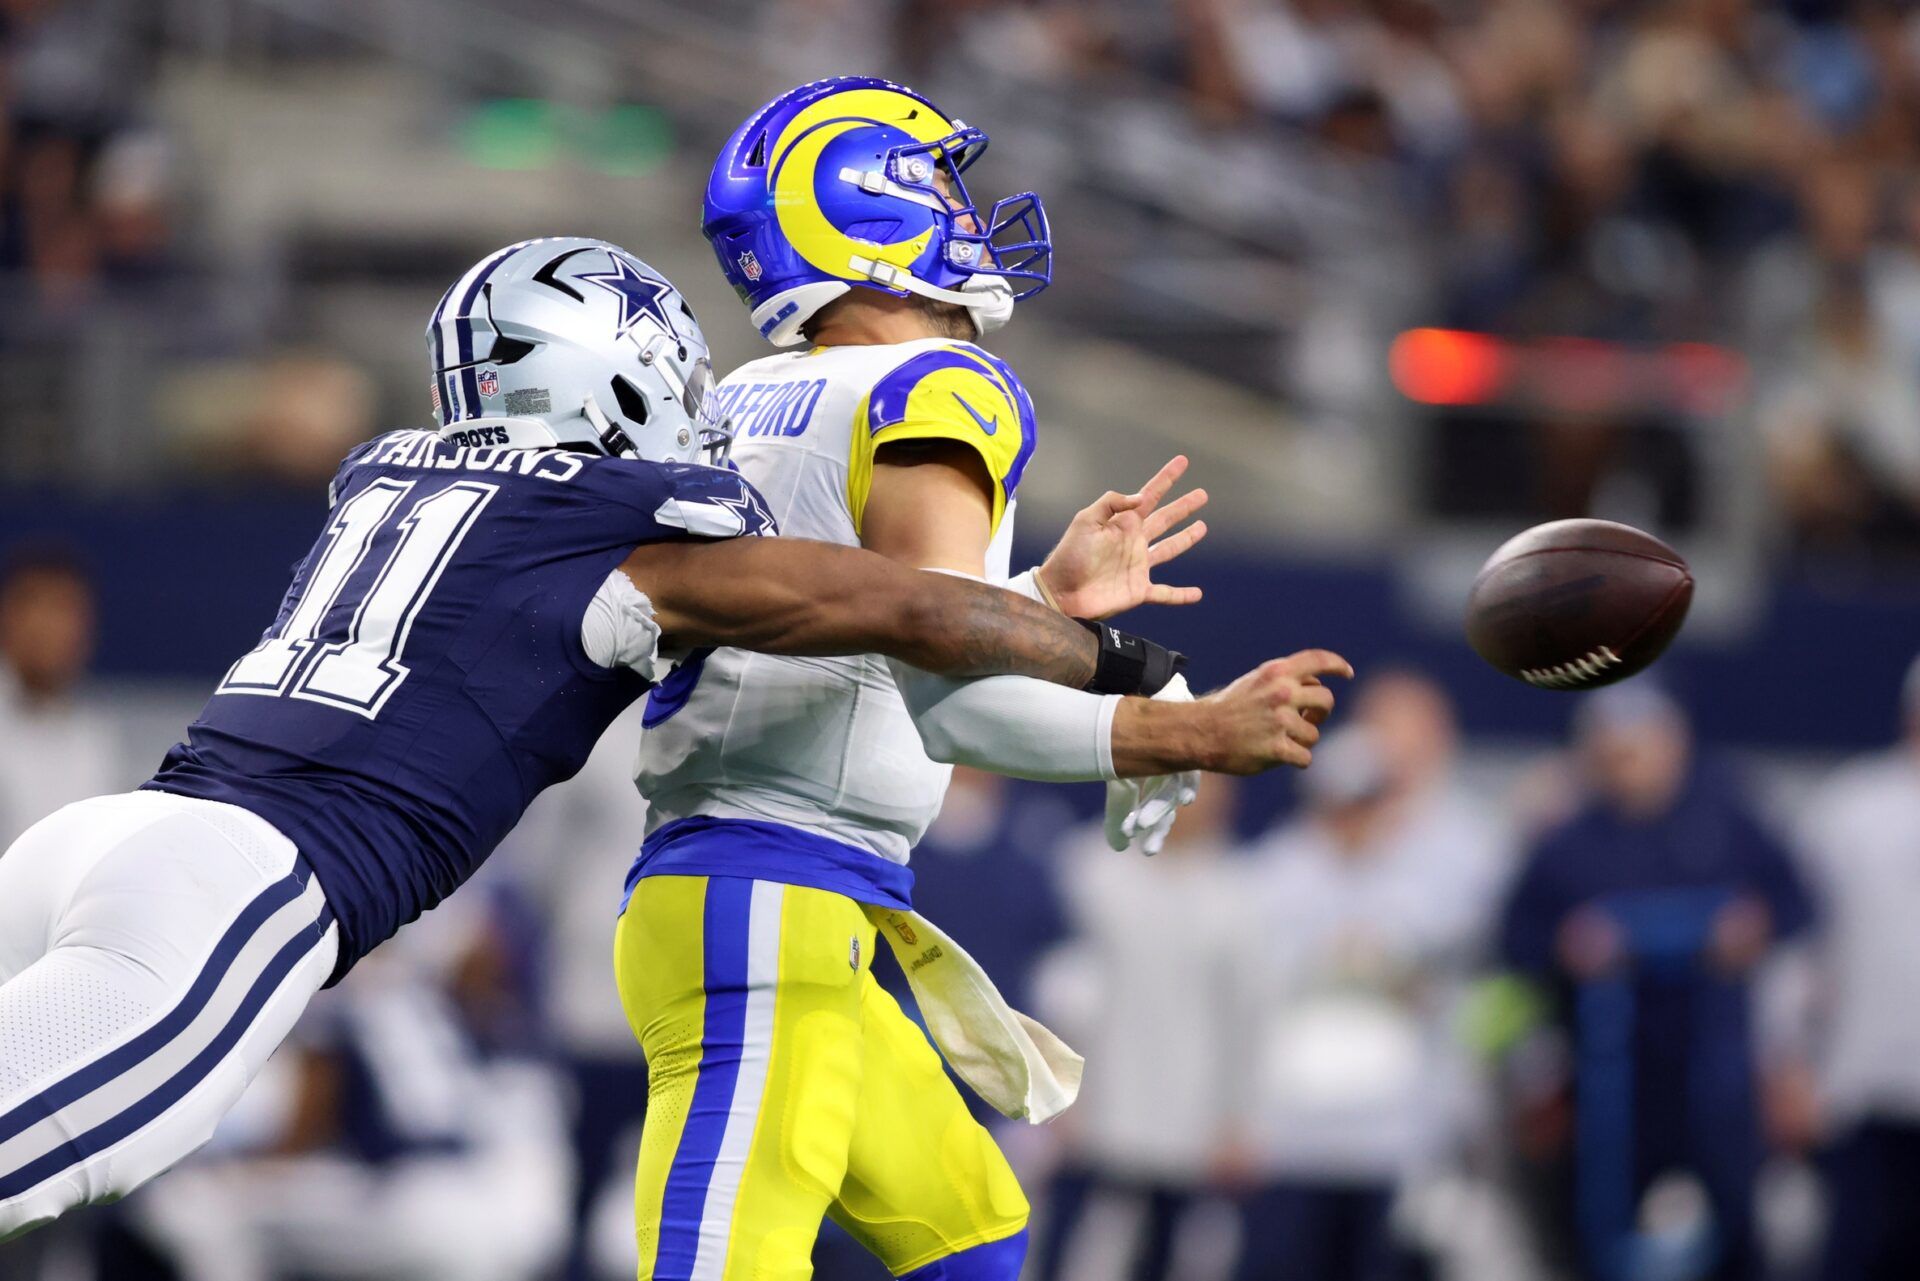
{"x":1276,"y":188}
{"x":1625,"y":1004}
{"x":1730,"y":172}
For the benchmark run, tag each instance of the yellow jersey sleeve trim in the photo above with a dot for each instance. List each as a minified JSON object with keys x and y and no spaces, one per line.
{"x":948,"y":393}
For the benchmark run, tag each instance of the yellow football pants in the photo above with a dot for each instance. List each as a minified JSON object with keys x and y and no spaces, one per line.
{"x":787,"y":1085}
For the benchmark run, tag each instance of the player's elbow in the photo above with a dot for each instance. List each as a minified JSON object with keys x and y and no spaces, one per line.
{"x":943,"y":728}
{"x":942,"y":739}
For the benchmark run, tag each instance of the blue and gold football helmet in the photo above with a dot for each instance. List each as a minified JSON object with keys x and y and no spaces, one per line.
{"x":839,"y":183}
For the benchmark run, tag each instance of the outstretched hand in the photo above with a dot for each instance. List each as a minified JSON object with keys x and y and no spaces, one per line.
{"x":1105,"y":561}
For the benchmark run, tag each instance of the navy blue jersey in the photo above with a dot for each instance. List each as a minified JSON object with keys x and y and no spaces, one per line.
{"x":425,"y":678}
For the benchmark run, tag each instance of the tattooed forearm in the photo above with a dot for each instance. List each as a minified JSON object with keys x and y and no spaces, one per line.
{"x":967,"y":628}
{"x":792,"y":596}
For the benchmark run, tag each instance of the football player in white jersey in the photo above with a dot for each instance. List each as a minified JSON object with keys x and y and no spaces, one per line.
{"x":787,"y":793}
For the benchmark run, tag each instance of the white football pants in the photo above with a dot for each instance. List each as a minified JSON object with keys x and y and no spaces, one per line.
{"x":154,"y":950}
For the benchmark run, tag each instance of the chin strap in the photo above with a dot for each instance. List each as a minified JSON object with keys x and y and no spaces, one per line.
{"x":613,"y":440}
{"x":988,"y":299}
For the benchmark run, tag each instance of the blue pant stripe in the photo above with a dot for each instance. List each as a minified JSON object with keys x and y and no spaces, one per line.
{"x":724,"y":927}
{"x":178,"y":1086}
{"x":91,"y":1076}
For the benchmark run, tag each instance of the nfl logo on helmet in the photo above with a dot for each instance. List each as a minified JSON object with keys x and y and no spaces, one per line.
{"x":489,"y":382}
{"x":750,"y":265}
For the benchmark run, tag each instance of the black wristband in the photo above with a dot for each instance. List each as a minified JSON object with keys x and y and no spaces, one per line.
{"x":1130,"y":664}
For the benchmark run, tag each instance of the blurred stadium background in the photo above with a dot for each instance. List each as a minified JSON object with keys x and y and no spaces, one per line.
{"x":1511,"y":986}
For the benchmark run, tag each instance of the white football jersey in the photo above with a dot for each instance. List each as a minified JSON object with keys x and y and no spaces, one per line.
{"x":826,"y":744}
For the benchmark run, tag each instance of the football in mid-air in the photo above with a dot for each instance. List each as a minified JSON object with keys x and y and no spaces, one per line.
{"x":1575,"y":604}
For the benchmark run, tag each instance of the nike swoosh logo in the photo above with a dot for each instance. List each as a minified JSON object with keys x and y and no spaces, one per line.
{"x":987,"y":425}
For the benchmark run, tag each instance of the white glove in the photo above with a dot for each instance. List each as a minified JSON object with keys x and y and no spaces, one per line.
{"x":1140,"y":811}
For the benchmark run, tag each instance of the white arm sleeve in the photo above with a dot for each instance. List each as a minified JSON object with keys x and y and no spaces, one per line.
{"x":1011,"y":725}
{"x":619,"y":629}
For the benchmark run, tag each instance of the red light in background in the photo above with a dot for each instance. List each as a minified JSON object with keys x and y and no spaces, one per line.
{"x":1446,"y":366}
{"x":1582,"y":375}
{"x":1708,"y":379}
{"x":1564,"y":374}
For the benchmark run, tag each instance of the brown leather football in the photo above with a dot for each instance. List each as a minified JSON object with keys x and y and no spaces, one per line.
{"x":1575,"y":604}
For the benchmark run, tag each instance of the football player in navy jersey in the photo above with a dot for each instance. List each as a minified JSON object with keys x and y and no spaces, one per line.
{"x":483,"y":600}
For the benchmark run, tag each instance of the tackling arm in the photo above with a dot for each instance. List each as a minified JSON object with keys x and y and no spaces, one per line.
{"x":793,"y":596}
{"x":798,"y":597}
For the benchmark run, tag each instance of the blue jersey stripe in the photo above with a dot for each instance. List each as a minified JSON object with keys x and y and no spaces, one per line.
{"x":85,"y":1146}
{"x":85,"y":1080}
{"x":725,"y":931}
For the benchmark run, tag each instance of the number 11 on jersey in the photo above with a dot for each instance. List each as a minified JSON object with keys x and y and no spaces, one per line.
{"x":353,"y":662}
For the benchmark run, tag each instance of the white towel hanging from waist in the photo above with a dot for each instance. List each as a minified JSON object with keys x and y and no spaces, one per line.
{"x":1012,"y":1061}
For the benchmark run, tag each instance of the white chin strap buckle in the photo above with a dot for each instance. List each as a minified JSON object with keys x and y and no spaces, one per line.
{"x":988,"y":299}
{"x":883,"y":273}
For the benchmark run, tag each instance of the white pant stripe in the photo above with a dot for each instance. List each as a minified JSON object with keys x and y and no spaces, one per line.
{"x":743,"y":1115}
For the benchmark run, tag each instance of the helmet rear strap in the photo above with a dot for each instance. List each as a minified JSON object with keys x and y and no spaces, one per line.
{"x":613,"y":439}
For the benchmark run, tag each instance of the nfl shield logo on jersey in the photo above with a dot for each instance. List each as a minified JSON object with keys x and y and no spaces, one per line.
{"x":750,"y":265}
{"x":489,"y":382}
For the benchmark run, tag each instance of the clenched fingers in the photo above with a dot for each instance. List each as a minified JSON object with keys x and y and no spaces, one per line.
{"x":1289,"y":752}
{"x":1298,"y":728}
{"x":1313,"y":700}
